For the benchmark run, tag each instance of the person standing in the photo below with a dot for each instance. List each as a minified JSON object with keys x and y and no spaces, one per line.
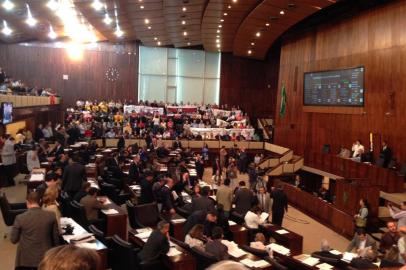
{"x":279,"y":205}
{"x":35,"y":231}
{"x":223,"y":158}
{"x":73,"y":177}
{"x":399,"y":214}
{"x":224,"y":196}
{"x":8,"y":157}
{"x":32,"y":158}
{"x":362,"y":216}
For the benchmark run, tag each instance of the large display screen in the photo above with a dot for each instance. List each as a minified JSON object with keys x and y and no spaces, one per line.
{"x":344,"y":87}
{"x":7,"y":112}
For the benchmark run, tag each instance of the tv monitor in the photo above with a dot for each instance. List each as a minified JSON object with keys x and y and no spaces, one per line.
{"x":7,"y":112}
{"x":343,"y":87}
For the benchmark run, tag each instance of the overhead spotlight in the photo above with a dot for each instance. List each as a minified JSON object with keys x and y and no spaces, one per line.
{"x":107,"y":20}
{"x":184,"y":9}
{"x":222,"y":20}
{"x":188,"y":43}
{"x":149,"y":27}
{"x":258,"y":34}
{"x":220,"y":26}
{"x":183,"y":22}
{"x":97,"y":5}
{"x":218,"y":45}
{"x":267,"y":24}
{"x":155,"y":38}
{"x":229,"y":6}
{"x":217,"y":36}
{"x":146,"y":21}
{"x":185,"y":33}
{"x":217,"y":40}
{"x":6,"y":30}
{"x":225,"y":13}
{"x":8,"y":5}
{"x":282,"y":12}
{"x":52,"y":34}
{"x":30,"y":20}
{"x":252,"y":43}
{"x":141,"y":7}
{"x":158,"y":43}
{"x":218,"y":31}
{"x":53,"y":5}
{"x":234,"y":1}
{"x":249,"y":51}
{"x":118,"y":32}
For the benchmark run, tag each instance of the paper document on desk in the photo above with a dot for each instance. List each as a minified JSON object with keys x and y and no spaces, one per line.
{"x":231,"y":223}
{"x":135,"y":187}
{"x":173,"y":252}
{"x":236,"y":252}
{"x":279,"y":249}
{"x":83,"y":238}
{"x":143,"y":230}
{"x":144,"y":235}
{"x":87,"y":245}
{"x":178,"y":220}
{"x":248,"y":262}
{"x":109,"y":211}
{"x":348,"y":256}
{"x":324,"y":266}
{"x":264,"y":216}
{"x":335,"y":252}
{"x":37,"y":177}
{"x":261,"y":264}
{"x":282,"y":231}
{"x":311,"y":261}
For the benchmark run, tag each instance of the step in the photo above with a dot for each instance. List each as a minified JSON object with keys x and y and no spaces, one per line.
{"x":377,"y":236}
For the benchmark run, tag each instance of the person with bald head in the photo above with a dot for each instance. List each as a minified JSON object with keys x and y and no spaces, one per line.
{"x":390,"y":238}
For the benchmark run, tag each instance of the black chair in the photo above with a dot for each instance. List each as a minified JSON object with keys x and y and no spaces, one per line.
{"x":257,"y":252}
{"x":107,"y":241}
{"x":146,"y":215}
{"x":328,"y":260}
{"x":276,"y":264}
{"x":79,"y":214}
{"x":66,"y":209}
{"x":379,"y":162}
{"x":180,"y":243}
{"x":203,"y":259}
{"x":237,"y":217}
{"x":124,"y":255}
{"x":9,"y":210}
{"x":131,"y":214}
{"x":116,"y":195}
{"x":182,"y":212}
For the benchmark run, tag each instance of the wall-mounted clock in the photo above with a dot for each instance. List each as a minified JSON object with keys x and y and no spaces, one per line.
{"x":112,"y":74}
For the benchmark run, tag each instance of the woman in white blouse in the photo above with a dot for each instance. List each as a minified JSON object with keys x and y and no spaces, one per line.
{"x":193,"y":238}
{"x":32,"y":159}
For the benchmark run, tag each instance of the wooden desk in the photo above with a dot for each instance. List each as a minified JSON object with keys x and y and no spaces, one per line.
{"x":37,"y":177}
{"x":293,"y":263}
{"x":185,"y":261}
{"x":116,"y":223}
{"x":176,"y":227}
{"x":101,"y":249}
{"x":291,"y":240}
{"x":240,"y":234}
{"x":253,"y":258}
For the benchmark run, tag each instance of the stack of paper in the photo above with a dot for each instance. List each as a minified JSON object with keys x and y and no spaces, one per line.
{"x":335,"y":252}
{"x":263,"y":217}
{"x":109,"y":211}
{"x":324,"y":266}
{"x":143,"y":230}
{"x":261,"y":264}
{"x":173,"y":252}
{"x":279,"y":249}
{"x":348,"y":256}
{"x":231,"y":223}
{"x":237,"y":252}
{"x":282,"y":231}
{"x":248,"y":262}
{"x":178,"y":220}
{"x":144,"y":235}
{"x":311,"y":261}
{"x":37,"y":177}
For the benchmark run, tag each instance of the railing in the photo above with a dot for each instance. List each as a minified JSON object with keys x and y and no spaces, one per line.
{"x":29,"y":101}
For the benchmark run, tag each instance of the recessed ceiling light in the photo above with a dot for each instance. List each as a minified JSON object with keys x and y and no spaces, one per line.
{"x":225,"y":14}
{"x":252,"y":43}
{"x":217,"y":36}
{"x":53,"y":5}
{"x":8,"y":5}
{"x":220,"y":26}
{"x":118,"y":32}
{"x":107,"y":20}
{"x":249,"y":51}
{"x":158,"y":43}
{"x":97,"y":5}
{"x":184,"y":9}
{"x":282,"y":12}
{"x":183,"y":22}
{"x":149,"y":27}
{"x":217,"y":40}
{"x":51,"y":34}
{"x":185,"y":33}
{"x":155,"y":38}
{"x":218,"y":45}
{"x":267,"y":24}
{"x":218,"y":31}
{"x":188,"y":43}
{"x":234,"y":1}
{"x":141,"y":7}
{"x":139,"y":0}
{"x":146,"y":21}
{"x":6,"y":30}
{"x":30,"y":20}
{"x":258,"y":34}
{"x":229,"y":6}
{"x":222,"y":20}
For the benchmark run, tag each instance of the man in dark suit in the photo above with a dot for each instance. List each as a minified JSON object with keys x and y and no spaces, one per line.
{"x":361,"y":241}
{"x":207,"y":219}
{"x":166,"y":197}
{"x":279,"y":205}
{"x":177,"y":144}
{"x":134,"y":171}
{"x":36,"y":231}
{"x":199,"y":166}
{"x":203,"y":202}
{"x":157,"y":244}
{"x":57,"y":150}
{"x":73,"y":177}
{"x":386,"y":154}
{"x":243,"y":199}
{"x":215,"y":247}
{"x":146,"y":187}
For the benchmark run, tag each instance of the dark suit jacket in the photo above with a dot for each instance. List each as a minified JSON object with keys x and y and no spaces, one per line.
{"x":57,"y":152}
{"x":156,"y":246}
{"x":361,"y":263}
{"x":386,"y":155}
{"x":134,"y":172}
{"x":202,"y":203}
{"x":326,"y":254}
{"x":197,"y":217}
{"x":166,"y":198}
{"x":146,"y":191}
{"x":36,"y":231}
{"x":92,"y":207}
{"x":217,"y":249}
{"x":280,"y":201}
{"x":73,"y":177}
{"x":176,"y":145}
{"x":243,"y":200}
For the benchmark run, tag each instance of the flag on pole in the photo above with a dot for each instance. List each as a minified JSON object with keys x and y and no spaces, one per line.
{"x":282,"y":110}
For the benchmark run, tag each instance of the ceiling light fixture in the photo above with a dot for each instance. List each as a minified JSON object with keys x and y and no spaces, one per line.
{"x":149,"y":27}
{"x":184,"y":9}
{"x":267,"y":24}
{"x":234,"y":1}
{"x":53,"y":5}
{"x":141,"y":7}
{"x":30,"y":20}
{"x":222,"y":20}
{"x":51,"y":34}
{"x":188,"y":43}
{"x":220,"y":26}
{"x":249,"y":51}
{"x":159,"y":43}
{"x":218,"y":31}
{"x":6,"y":30}
{"x":8,"y":5}
{"x":217,"y":40}
{"x":258,"y":34}
{"x":218,"y":45}
{"x":146,"y":21}
{"x":97,"y":5}
{"x":155,"y":38}
{"x":225,"y":14}
{"x":229,"y":6}
{"x":118,"y":31}
{"x":252,"y":43}
{"x":183,"y":22}
{"x":185,"y":33}
{"x":282,"y":12}
{"x":107,"y":20}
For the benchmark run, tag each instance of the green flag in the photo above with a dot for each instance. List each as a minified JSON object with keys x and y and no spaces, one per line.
{"x":282,"y":110}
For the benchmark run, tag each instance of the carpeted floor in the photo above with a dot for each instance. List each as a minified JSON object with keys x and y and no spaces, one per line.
{"x":313,"y":232}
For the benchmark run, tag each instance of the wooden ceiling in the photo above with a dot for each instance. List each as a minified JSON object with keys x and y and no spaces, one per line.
{"x":245,"y":28}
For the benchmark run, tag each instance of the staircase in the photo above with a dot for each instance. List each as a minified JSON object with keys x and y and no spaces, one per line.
{"x":265,"y":124}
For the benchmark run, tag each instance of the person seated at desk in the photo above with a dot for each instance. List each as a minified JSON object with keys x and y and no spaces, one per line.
{"x":135,"y":168}
{"x":253,"y":218}
{"x":92,"y":205}
{"x":324,"y":194}
{"x":51,"y":180}
{"x":390,"y":238}
{"x":361,"y":242}
{"x":157,"y":244}
{"x":207,"y":219}
{"x":82,"y":192}
{"x":57,"y":150}
{"x":325,"y":251}
{"x":357,"y":149}
{"x":391,"y":258}
{"x":193,"y":238}
{"x":385,"y":154}
{"x":215,"y":247}
{"x":259,"y":241}
{"x":365,"y":262}
{"x":203,"y":202}
{"x":344,"y":152}
{"x":49,"y":203}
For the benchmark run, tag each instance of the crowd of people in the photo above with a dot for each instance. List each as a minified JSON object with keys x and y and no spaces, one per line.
{"x":11,"y":86}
